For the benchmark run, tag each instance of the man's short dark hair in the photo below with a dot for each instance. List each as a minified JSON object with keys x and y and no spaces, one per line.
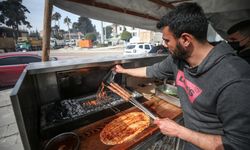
{"x":242,"y":27}
{"x":186,"y":18}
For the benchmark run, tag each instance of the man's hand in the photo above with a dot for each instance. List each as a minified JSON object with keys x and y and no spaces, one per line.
{"x":136,"y":72}
{"x":202,"y":140}
{"x":168,"y":126}
{"x":119,"y":69}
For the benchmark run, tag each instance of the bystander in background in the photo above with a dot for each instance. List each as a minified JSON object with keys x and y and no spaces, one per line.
{"x":159,"y":49}
{"x":239,"y":39}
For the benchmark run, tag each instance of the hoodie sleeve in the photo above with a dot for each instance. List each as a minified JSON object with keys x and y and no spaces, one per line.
{"x":233,"y":108}
{"x":161,"y":70}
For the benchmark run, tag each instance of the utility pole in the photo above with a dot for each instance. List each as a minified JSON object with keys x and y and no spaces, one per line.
{"x":105,"y":35}
{"x":102,"y":39}
{"x":46,"y":30}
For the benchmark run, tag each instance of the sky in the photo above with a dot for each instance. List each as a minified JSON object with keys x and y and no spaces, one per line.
{"x":35,"y":17}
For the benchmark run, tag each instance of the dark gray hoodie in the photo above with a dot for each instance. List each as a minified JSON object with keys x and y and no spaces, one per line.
{"x":215,"y":96}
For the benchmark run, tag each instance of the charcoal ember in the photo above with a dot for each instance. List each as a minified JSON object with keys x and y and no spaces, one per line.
{"x":56,"y":112}
{"x":74,"y":109}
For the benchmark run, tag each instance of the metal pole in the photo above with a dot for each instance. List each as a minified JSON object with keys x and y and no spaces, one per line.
{"x":105,"y":33}
{"x":102,"y":40}
{"x":46,"y":30}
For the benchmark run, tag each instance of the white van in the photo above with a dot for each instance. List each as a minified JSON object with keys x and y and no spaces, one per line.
{"x":138,"y":48}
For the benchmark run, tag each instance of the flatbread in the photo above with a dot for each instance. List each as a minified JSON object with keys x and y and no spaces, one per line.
{"x":124,"y":128}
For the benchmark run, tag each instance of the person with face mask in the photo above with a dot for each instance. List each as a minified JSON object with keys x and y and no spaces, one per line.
{"x":210,"y":82}
{"x":239,"y":39}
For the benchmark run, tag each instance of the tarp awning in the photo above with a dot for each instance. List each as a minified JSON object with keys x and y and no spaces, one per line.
{"x":146,"y":13}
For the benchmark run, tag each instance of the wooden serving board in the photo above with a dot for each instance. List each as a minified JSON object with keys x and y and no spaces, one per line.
{"x":89,"y":135}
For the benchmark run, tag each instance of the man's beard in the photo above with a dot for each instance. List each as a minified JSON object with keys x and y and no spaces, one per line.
{"x":180,"y":52}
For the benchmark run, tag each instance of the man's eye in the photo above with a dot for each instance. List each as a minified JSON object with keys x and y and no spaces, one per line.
{"x":166,"y":41}
{"x":232,"y":40}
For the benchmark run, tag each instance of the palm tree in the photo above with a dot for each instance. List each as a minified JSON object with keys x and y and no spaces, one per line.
{"x":56,"y":17}
{"x":67,"y":21}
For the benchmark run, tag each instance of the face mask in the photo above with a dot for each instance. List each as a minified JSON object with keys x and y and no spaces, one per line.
{"x":236,"y":45}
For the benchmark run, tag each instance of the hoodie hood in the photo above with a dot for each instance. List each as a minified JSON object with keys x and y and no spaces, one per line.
{"x":219,"y":52}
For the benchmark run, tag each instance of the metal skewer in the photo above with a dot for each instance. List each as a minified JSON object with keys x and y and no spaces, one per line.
{"x":108,"y":82}
{"x":142,"y":108}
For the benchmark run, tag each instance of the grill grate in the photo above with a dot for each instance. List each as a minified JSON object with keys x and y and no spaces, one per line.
{"x":75,"y":108}
{"x":165,"y":143}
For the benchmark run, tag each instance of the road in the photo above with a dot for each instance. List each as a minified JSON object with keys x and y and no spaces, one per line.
{"x":69,"y":53}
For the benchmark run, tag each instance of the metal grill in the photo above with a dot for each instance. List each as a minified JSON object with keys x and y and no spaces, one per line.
{"x":48,"y":98}
{"x":71,"y":109}
{"x":167,"y":143}
{"x":75,"y":108}
{"x":159,"y":141}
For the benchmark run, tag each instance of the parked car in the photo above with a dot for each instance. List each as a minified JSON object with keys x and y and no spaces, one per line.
{"x":13,"y":64}
{"x":138,"y":48}
{"x":71,"y":42}
{"x":159,"y":49}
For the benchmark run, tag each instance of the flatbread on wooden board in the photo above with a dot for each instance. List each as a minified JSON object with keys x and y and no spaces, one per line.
{"x":124,"y":128}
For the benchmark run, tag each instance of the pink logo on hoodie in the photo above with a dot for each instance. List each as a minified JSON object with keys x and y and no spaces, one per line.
{"x":192,"y":90}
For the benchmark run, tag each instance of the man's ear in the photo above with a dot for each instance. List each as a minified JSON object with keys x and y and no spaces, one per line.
{"x":186,"y":39}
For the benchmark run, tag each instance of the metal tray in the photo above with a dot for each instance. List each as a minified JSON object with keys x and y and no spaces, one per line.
{"x":161,"y":91}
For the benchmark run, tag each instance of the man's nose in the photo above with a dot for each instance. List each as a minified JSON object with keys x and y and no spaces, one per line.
{"x":165,"y":45}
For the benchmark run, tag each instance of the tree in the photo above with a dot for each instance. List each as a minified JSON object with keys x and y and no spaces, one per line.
{"x":61,"y":32}
{"x":85,"y":25}
{"x":90,"y":36}
{"x":67,"y":21}
{"x":34,"y":34}
{"x":12,"y":14}
{"x":126,"y":36}
{"x":75,"y":27}
{"x":56,"y":17}
{"x":55,"y":30}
